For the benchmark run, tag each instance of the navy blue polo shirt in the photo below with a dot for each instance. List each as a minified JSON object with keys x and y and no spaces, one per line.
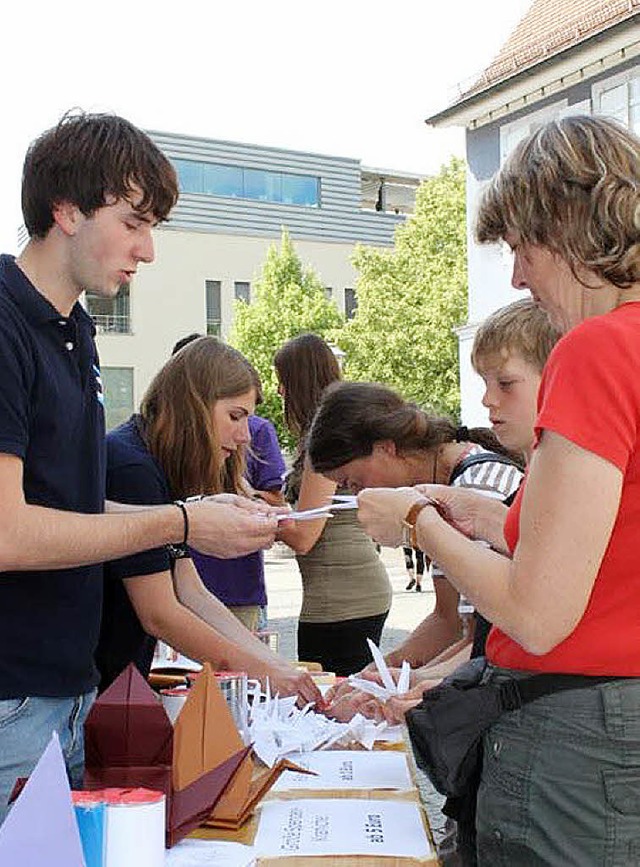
{"x":52,"y":418}
{"x":133,"y":476}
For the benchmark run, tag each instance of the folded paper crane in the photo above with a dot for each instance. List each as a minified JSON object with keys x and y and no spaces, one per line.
{"x":129,"y":742}
{"x":248,"y":785}
{"x":41,"y":826}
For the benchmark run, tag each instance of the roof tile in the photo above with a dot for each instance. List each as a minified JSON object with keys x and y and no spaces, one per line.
{"x":549,"y":27}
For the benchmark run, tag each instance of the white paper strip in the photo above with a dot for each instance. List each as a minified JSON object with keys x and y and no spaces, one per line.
{"x":348,"y":769}
{"x":341,"y":827}
{"x":209,"y":853}
{"x":306,"y":514}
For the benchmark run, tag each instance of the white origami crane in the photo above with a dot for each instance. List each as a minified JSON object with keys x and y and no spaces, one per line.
{"x":389,"y":687}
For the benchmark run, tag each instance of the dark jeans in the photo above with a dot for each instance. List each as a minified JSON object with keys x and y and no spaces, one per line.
{"x":340,"y":647}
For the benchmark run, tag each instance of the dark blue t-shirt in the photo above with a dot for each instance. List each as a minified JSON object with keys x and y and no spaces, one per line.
{"x":133,"y":476}
{"x":52,"y":418}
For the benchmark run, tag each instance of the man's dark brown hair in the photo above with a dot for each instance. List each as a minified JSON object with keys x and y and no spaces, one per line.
{"x":87,"y":159}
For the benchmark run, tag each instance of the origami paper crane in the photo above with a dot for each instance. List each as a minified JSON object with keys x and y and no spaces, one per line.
{"x":220,"y":739}
{"x":129,"y":742}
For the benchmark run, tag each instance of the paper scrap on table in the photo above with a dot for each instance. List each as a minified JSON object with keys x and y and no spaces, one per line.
{"x":389,"y":687}
{"x":392,"y":735}
{"x":347,"y":769}
{"x":209,"y":853}
{"x":322,"y":826}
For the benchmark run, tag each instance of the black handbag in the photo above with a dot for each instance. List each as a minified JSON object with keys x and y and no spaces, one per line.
{"x":446,"y":728}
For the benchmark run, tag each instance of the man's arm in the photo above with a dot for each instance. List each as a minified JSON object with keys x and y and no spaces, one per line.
{"x":35,"y":537}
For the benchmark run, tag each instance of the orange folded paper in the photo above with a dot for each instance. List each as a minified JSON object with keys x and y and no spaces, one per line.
{"x":129,"y":742}
{"x":220,"y":740}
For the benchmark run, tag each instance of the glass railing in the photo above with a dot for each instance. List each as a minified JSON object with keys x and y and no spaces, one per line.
{"x":110,"y":323}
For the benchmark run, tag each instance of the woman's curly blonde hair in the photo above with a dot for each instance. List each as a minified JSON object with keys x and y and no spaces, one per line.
{"x":573,"y":186}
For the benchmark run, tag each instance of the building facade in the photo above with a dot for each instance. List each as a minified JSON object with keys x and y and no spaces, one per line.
{"x":565,"y":57}
{"x":235,"y":199}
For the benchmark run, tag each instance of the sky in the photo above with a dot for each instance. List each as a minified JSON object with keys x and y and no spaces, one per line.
{"x":354,"y":78}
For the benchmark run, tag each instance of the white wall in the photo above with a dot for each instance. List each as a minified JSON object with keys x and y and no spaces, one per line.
{"x":168,"y":296}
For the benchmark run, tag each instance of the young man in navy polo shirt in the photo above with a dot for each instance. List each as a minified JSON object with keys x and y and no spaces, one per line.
{"x":93,"y":189}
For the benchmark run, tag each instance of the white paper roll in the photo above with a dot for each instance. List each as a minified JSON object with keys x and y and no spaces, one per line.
{"x":135,"y":832}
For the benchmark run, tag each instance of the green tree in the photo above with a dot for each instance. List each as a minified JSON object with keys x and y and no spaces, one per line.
{"x":289,"y":299}
{"x":412,"y":297}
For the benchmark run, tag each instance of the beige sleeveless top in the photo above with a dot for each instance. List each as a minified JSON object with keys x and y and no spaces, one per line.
{"x":343,"y":576}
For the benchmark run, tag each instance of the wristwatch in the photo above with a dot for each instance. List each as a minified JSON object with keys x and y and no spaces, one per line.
{"x":409,"y":521}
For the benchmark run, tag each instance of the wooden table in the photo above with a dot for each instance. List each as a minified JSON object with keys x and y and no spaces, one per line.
{"x":247,"y":833}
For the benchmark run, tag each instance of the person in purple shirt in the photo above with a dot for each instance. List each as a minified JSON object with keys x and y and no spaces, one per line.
{"x":239,"y":582}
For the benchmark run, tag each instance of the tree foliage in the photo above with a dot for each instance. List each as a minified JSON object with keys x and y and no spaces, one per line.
{"x":289,"y":299}
{"x":412,"y":297}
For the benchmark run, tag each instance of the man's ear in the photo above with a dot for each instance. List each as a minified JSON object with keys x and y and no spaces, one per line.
{"x":386,"y":448}
{"x":66,"y":217}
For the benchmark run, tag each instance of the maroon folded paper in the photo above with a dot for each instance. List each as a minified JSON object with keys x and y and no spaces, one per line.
{"x":129,"y":742}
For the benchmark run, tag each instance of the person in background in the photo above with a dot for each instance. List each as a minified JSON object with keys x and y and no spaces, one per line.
{"x":558,"y":771}
{"x":239,"y":582}
{"x":367,"y":435}
{"x":93,"y":189}
{"x":414,"y":571}
{"x":188,"y":440}
{"x":346,"y":593}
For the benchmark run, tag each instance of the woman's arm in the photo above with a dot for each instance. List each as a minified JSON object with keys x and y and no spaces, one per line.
{"x":209,"y":632}
{"x":435,"y":633}
{"x":569,"y":508}
{"x":315,"y":491}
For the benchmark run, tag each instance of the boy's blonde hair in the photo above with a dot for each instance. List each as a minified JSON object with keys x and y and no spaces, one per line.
{"x":521,"y":328}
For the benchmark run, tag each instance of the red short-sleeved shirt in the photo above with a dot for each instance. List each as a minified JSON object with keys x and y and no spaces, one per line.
{"x":590,"y":394}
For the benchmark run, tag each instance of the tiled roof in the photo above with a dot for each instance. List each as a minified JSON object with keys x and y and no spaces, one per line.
{"x":549,"y":27}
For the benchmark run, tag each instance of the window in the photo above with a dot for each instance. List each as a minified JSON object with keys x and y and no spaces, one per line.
{"x":213,"y":179}
{"x":111,"y":315}
{"x":619,"y":98}
{"x":117,"y":383}
{"x":214,"y":307}
{"x":242,"y":291}
{"x":264,"y":186}
{"x":220,"y":180}
{"x":514,"y":132}
{"x":300,"y":190}
{"x":350,"y":303}
{"x":328,"y":293}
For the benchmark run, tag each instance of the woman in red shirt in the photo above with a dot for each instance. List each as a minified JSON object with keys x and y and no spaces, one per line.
{"x":561,"y":775}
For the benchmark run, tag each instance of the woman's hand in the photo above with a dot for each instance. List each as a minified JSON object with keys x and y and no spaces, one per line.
{"x":472,"y":513}
{"x":286,"y":680}
{"x":351,"y":701}
{"x":395,"y":709}
{"x":382,"y":510}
